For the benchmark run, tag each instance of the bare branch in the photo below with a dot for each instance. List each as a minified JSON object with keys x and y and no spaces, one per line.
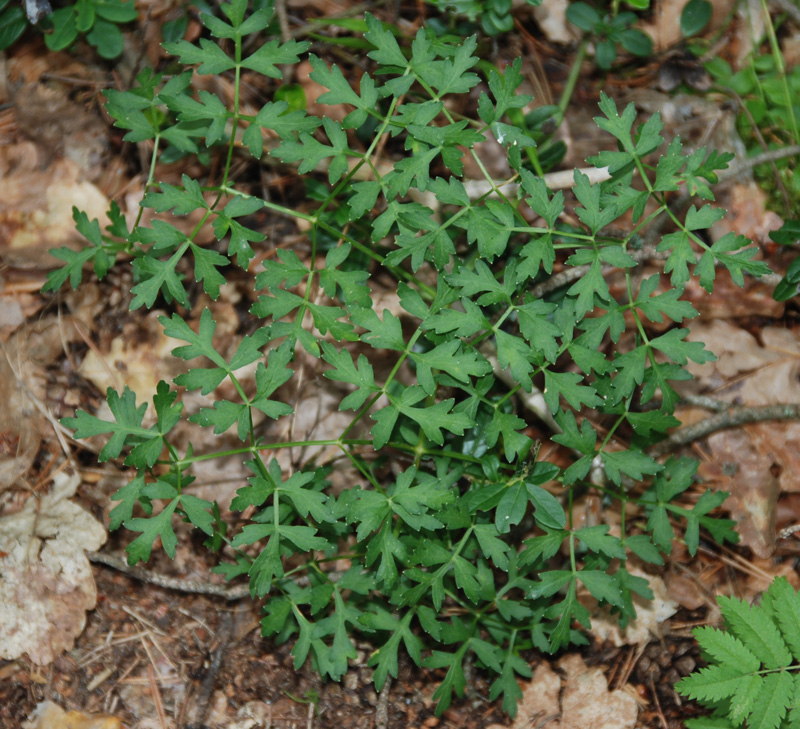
{"x":731,"y":418}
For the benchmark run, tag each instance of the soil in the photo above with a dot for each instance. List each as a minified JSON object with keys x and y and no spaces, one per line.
{"x":203,"y":663}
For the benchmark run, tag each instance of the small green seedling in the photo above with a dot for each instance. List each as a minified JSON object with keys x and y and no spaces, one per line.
{"x":608,"y":31}
{"x":98,"y":20}
{"x":494,"y":16}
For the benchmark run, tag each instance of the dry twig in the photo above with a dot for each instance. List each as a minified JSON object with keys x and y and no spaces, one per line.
{"x":171,"y":583}
{"x":200,"y":703}
{"x":382,"y":709}
{"x":731,"y":418}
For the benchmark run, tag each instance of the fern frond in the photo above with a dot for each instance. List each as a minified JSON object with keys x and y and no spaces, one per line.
{"x":714,"y":683}
{"x":784,"y":604}
{"x":744,"y":701}
{"x":727,"y":649}
{"x":753,"y":626}
{"x":751,"y":681}
{"x":773,"y":699}
{"x":793,"y":720}
{"x":709,"y":722}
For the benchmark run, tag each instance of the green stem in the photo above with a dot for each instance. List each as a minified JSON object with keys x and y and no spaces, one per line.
{"x":781,"y":68}
{"x":236,"y":110}
{"x":151,"y":174}
{"x":572,"y":79}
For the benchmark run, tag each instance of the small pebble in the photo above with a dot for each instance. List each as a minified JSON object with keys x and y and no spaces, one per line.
{"x":684,"y":665}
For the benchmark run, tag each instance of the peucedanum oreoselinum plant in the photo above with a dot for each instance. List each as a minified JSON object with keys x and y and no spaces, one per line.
{"x":467,"y":549}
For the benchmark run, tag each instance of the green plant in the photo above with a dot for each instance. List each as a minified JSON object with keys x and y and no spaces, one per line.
{"x":99,"y":20}
{"x":787,"y":235}
{"x":494,"y":15}
{"x":12,"y":24}
{"x":760,"y":91}
{"x":609,"y":31}
{"x":460,"y":544}
{"x":754,"y":676}
{"x":767,"y":93}
{"x":695,"y":16}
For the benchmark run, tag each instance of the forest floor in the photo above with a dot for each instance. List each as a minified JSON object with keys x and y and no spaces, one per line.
{"x":153,"y":657}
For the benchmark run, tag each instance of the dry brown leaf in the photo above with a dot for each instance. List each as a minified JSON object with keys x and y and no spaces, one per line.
{"x":765,"y":573}
{"x":61,"y":127}
{"x":20,"y":300}
{"x":551,"y":16}
{"x":22,"y":389}
{"x":49,"y":715}
{"x":665,"y":27}
{"x":46,"y":583}
{"x":649,"y":616}
{"x":585,"y":701}
{"x":743,"y":469}
{"x":138,"y":359}
{"x":252,"y":715}
{"x":257,"y":714}
{"x":748,"y":214}
{"x":11,"y":315}
{"x":757,"y":462}
{"x":790,"y":45}
{"x":313,"y":90}
{"x":751,"y":373}
{"x":748,"y":33}
{"x":588,"y":704}
{"x":686,"y":591}
{"x":31,"y":61}
{"x":36,"y":205}
{"x":540,"y":701}
{"x":729,"y":301}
